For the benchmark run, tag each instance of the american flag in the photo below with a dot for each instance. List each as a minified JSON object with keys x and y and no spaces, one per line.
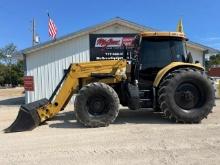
{"x":52,"y":28}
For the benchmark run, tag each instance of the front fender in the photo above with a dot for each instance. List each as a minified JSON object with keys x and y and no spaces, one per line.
{"x":172,"y":66}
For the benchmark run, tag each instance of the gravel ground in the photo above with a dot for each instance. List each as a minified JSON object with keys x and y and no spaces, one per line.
{"x":137,"y":137}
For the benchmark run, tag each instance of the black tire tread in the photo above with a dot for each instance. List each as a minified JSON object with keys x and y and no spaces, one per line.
{"x":79,"y":101}
{"x":163,"y":87}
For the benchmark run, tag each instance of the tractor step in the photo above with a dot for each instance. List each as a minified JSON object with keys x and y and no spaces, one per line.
{"x":145,"y":98}
{"x":145,"y":94}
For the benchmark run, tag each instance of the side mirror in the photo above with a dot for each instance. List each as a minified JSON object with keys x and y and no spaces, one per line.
{"x":189,"y":58}
{"x":136,"y":41}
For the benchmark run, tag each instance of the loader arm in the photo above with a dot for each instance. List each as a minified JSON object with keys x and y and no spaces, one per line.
{"x":33,"y":114}
{"x":87,"y":72}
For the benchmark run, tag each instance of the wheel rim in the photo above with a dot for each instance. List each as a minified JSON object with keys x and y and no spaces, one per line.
{"x":188,"y":96}
{"x":97,"y":105}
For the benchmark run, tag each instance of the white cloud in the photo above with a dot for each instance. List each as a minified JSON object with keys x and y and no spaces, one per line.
{"x":215,"y":45}
{"x":213,"y":39}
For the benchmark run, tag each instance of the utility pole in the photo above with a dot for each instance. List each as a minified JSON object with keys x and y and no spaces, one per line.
{"x":35,"y":36}
{"x":33,"y":32}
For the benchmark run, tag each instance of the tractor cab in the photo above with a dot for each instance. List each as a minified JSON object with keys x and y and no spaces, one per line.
{"x":157,"y":50}
{"x":162,"y":48}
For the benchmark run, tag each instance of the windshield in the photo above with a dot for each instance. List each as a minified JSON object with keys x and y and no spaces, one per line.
{"x":160,"y":52}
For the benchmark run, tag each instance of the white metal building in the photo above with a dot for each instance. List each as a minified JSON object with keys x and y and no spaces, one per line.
{"x":46,"y":62}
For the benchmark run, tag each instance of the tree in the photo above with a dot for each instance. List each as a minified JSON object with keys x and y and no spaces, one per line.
{"x":11,"y":70}
{"x":213,"y":60}
{"x":3,"y":69}
{"x":8,"y":54}
{"x":18,"y":73}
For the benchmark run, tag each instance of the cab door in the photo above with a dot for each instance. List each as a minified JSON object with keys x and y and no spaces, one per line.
{"x":154,"y":55}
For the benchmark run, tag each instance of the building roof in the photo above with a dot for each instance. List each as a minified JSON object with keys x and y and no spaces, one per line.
{"x":116,"y":20}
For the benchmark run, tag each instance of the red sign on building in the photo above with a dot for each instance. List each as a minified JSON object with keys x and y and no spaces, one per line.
{"x":29,"y":83}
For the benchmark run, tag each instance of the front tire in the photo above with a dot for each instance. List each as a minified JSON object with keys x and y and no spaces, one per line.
{"x":96,"y":105}
{"x":186,"y":95}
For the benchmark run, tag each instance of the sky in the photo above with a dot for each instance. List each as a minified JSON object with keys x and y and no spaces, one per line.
{"x":201,"y":18}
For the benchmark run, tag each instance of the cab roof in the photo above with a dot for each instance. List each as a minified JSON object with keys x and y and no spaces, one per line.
{"x":164,"y":34}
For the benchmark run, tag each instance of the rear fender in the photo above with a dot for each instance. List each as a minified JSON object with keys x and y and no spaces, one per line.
{"x":174,"y":65}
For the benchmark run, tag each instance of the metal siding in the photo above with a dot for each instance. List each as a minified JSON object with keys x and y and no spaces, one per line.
{"x":47,"y":65}
{"x":196,"y":54}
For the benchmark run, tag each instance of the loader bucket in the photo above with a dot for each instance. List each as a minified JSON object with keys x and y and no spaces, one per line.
{"x":28,"y":117}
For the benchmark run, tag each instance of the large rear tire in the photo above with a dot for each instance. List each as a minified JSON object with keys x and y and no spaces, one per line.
{"x":96,"y":105}
{"x":186,"y":95}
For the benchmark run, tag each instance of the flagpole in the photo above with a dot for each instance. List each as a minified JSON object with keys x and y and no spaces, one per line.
{"x":47,"y":11}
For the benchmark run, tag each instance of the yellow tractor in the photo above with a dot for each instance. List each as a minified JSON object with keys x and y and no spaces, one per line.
{"x":159,"y":75}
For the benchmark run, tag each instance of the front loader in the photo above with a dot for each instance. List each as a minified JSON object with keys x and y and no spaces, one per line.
{"x":77,"y":75}
{"x":160,"y":76}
